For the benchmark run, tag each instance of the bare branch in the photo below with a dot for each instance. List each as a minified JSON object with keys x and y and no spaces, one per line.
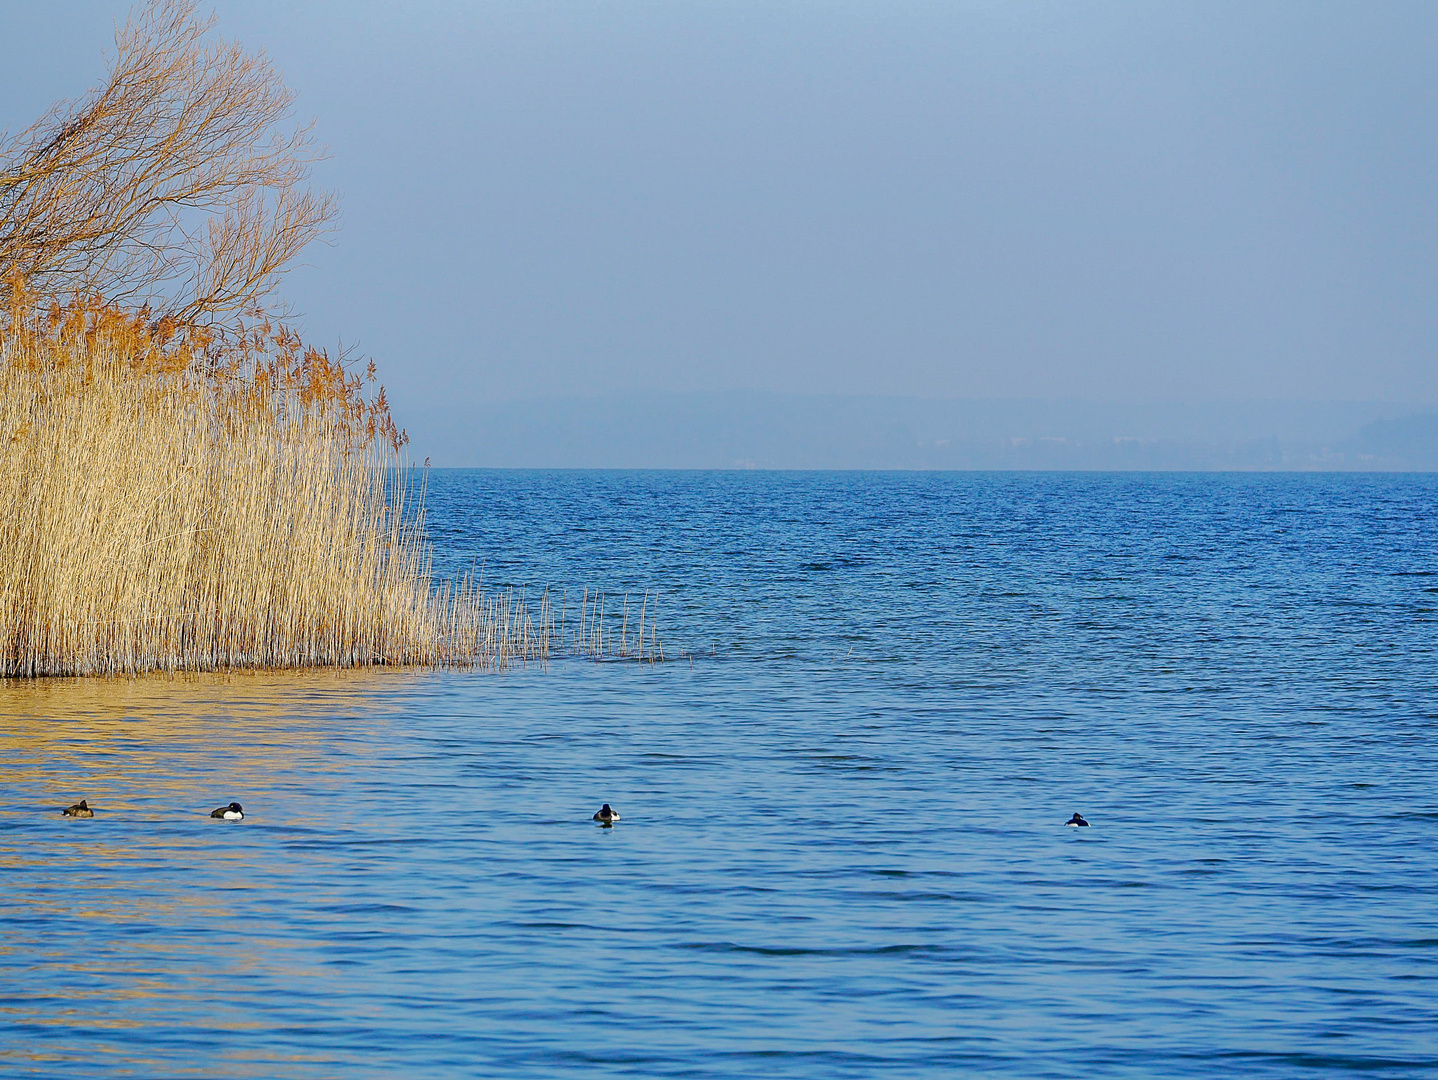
{"x":175,"y":184}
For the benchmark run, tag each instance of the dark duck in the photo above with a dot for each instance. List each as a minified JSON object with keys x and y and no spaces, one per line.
{"x":1077,"y":819}
{"x":80,"y":809}
{"x":606,"y":815}
{"x":233,"y":812}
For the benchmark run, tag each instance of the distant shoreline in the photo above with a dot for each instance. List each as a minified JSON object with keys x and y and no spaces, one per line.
{"x":814,"y":431}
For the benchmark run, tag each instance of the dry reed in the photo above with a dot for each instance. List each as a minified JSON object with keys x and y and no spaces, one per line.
{"x":176,"y":509}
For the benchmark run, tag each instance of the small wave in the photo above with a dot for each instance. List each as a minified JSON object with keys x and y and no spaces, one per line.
{"x":798,"y":950}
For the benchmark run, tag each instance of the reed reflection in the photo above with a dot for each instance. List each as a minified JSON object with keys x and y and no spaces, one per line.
{"x":152,"y":914}
{"x":152,"y":755}
{"x":127,"y":728}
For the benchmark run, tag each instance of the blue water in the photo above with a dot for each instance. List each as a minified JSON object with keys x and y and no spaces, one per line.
{"x":842,"y":851}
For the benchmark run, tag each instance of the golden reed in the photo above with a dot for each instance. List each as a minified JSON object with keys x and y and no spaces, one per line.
{"x":176,"y":502}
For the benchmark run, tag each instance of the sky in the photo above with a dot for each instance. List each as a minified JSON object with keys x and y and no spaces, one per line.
{"x":1107,"y":202}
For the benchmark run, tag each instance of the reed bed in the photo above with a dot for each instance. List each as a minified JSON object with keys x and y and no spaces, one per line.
{"x":177,"y":505}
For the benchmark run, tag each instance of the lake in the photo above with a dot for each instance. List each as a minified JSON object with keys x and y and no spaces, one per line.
{"x":842,"y":850}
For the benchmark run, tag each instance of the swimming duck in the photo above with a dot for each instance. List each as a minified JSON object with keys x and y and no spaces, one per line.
{"x":233,"y":812}
{"x":606,"y":816}
{"x":1077,"y":819}
{"x":80,"y":809}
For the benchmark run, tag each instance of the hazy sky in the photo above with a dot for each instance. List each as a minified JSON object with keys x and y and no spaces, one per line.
{"x":1114,"y":201}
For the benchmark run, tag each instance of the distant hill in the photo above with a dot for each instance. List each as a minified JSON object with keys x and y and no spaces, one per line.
{"x":1407,"y":442}
{"x":792,"y":431}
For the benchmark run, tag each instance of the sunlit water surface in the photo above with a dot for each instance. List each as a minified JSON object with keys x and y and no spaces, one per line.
{"x":842,"y":850}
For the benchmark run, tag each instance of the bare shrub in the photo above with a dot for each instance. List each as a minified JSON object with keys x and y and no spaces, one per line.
{"x":173,"y":185}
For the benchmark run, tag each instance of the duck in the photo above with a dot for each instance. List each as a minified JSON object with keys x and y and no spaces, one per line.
{"x":606,"y":816}
{"x":233,"y":812}
{"x":80,"y":809}
{"x":1078,"y":820}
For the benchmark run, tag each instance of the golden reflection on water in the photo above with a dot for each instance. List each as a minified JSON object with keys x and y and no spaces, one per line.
{"x":157,"y":745}
{"x":153,"y":755}
{"x":256,"y":722}
{"x":180,"y":703}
